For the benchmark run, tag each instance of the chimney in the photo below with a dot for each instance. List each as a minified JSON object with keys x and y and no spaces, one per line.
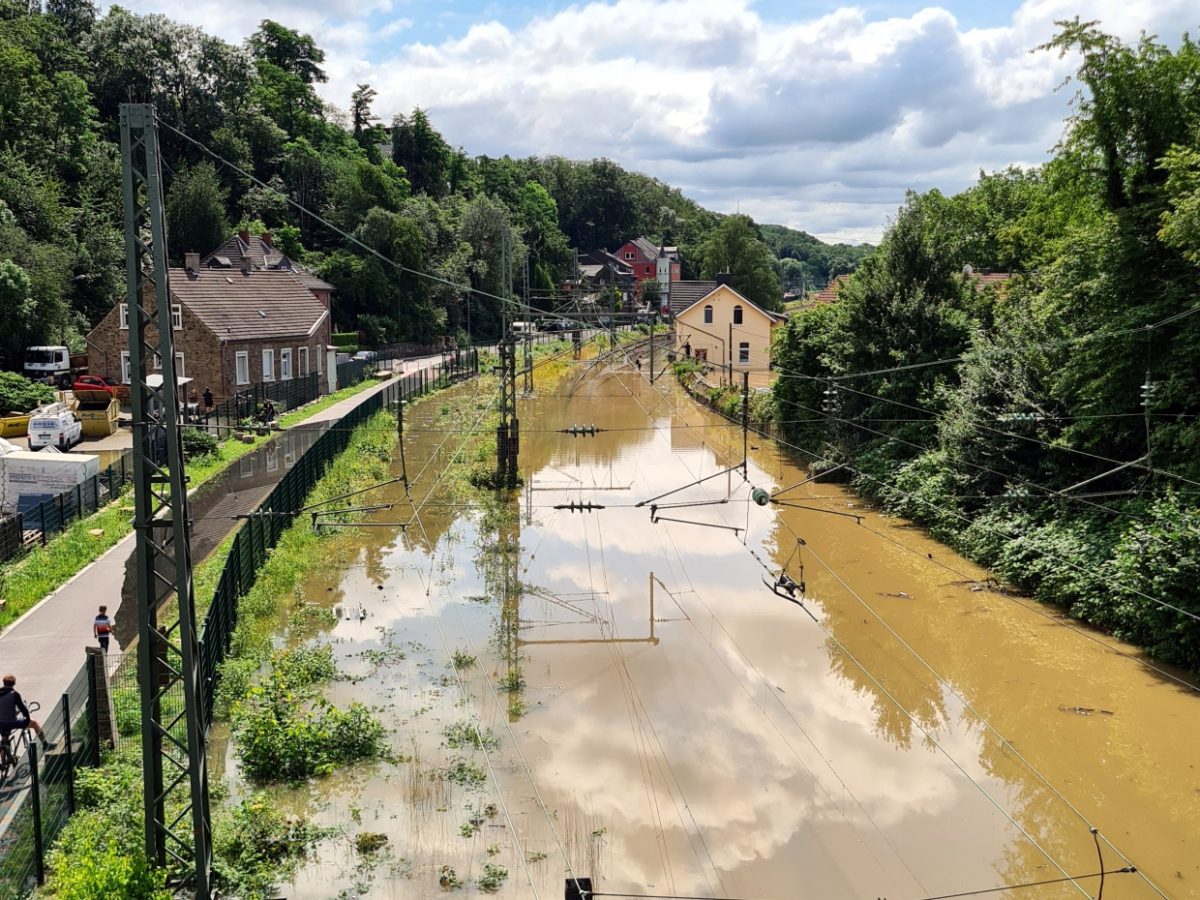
{"x":245,"y":236}
{"x":191,"y":262}
{"x":724,"y":278}
{"x":247,"y":264}
{"x":266,"y":239}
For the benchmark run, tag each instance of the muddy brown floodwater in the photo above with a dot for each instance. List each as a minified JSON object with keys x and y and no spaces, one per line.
{"x":719,"y":742}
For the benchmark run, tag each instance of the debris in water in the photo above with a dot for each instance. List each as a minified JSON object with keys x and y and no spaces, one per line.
{"x":1086,"y":710}
{"x":902,"y":595}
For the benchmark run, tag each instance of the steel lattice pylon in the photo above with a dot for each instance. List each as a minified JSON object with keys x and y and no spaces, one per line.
{"x":508,"y":432}
{"x":175,"y":770}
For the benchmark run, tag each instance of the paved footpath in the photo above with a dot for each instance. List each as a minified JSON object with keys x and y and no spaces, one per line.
{"x":45,"y":647}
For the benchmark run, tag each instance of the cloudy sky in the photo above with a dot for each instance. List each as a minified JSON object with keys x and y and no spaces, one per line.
{"x":802,"y":112}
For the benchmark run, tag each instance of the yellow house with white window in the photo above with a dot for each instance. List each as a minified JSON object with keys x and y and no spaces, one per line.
{"x":724,"y":328}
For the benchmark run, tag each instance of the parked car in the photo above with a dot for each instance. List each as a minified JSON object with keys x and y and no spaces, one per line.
{"x":54,"y":426}
{"x":365,"y":356}
{"x":94,"y":383}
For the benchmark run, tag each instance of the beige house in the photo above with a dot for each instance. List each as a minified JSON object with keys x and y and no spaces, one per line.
{"x":723,"y":327}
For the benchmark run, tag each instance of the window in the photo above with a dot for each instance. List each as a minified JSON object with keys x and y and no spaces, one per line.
{"x":179,"y":365}
{"x":124,"y":313}
{"x":303,"y":361}
{"x":744,"y":352}
{"x":126,"y":370}
{"x":268,"y":365}
{"x":285,"y":364}
{"x":242,"y":367}
{"x":737,"y":315}
{"x":629,"y":254}
{"x":157,"y":362}
{"x":708,"y":315}
{"x":176,"y":317}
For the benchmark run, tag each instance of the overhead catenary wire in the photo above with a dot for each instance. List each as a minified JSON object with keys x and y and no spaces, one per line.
{"x":1028,"y":765}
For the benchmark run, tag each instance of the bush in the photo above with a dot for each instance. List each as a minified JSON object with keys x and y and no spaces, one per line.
{"x":344,"y":339}
{"x":199,"y":443}
{"x":256,"y":845}
{"x":283,"y":731}
{"x":19,"y":394}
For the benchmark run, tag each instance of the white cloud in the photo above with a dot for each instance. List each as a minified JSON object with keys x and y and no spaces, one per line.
{"x":821,"y":123}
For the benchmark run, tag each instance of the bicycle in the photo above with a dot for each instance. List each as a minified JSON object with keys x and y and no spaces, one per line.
{"x":10,"y":755}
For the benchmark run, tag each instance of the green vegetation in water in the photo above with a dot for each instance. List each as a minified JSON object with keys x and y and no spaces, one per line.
{"x":368,"y":842}
{"x":462,"y":772}
{"x":467,"y":735}
{"x":492,"y":878}
{"x":448,"y":879}
{"x":513,"y":681}
{"x":462,"y":660}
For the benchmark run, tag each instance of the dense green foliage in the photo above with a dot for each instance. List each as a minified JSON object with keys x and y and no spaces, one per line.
{"x":401,"y":192}
{"x":19,"y":394}
{"x":806,"y":263}
{"x":999,"y":414}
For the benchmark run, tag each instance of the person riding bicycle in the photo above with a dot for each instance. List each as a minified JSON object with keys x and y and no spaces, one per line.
{"x":10,"y":705}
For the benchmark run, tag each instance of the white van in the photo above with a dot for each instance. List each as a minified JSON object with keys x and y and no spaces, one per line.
{"x":54,"y":426}
{"x":524,"y":328}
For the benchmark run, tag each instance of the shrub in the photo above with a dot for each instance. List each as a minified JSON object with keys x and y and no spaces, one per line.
{"x":19,"y":394}
{"x":344,"y":339}
{"x":198,"y":443}
{"x":256,"y":844}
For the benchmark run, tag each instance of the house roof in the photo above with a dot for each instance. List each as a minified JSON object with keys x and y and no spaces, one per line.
{"x":982,"y":279}
{"x":831,"y":291}
{"x":239,"y":306}
{"x":774,"y":316}
{"x":683,"y":294}
{"x":646,"y":247}
{"x":263,"y":255}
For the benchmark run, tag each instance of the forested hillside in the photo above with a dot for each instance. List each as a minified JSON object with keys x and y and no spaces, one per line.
{"x":807,"y":263}
{"x":396,"y":186}
{"x":1046,"y":425}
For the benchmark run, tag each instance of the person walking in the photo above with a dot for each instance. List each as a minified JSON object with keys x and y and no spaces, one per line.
{"x":208,"y":400}
{"x":11,"y":705}
{"x":102,"y":628}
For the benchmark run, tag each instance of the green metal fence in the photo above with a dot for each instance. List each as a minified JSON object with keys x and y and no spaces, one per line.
{"x":38,"y":797}
{"x":36,"y":525}
{"x":102,"y":706}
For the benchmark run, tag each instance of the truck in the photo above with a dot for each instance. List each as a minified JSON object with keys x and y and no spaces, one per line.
{"x":54,"y":365}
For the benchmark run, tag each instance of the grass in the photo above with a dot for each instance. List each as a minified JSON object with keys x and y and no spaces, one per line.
{"x":24,"y":581}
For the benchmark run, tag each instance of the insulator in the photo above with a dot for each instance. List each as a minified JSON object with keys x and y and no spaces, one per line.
{"x":759,"y":496}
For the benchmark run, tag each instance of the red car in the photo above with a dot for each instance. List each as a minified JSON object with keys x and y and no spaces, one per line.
{"x":94,"y":383}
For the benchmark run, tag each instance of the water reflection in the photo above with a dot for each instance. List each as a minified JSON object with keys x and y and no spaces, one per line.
{"x":741,"y":752}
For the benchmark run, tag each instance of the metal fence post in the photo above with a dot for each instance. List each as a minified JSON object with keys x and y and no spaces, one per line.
{"x":66,"y":712}
{"x":93,"y":712}
{"x":35,"y":795}
{"x":42,"y":510}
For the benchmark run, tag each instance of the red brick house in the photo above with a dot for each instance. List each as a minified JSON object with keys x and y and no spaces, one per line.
{"x":233,"y":328}
{"x":642,"y":256}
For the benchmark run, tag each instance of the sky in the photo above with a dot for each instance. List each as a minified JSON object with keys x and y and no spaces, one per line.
{"x":806,"y":113}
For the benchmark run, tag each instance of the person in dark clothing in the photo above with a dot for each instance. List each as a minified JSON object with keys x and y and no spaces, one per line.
{"x":11,"y":705}
{"x":208,"y":400}
{"x":268,"y":411}
{"x":102,"y":628}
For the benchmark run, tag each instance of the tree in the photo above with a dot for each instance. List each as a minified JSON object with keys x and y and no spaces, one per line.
{"x":196,"y":204}
{"x":293,"y":52}
{"x":76,"y":16}
{"x":17,"y":309}
{"x":420,"y":150}
{"x":736,"y":247}
{"x":361,"y":116}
